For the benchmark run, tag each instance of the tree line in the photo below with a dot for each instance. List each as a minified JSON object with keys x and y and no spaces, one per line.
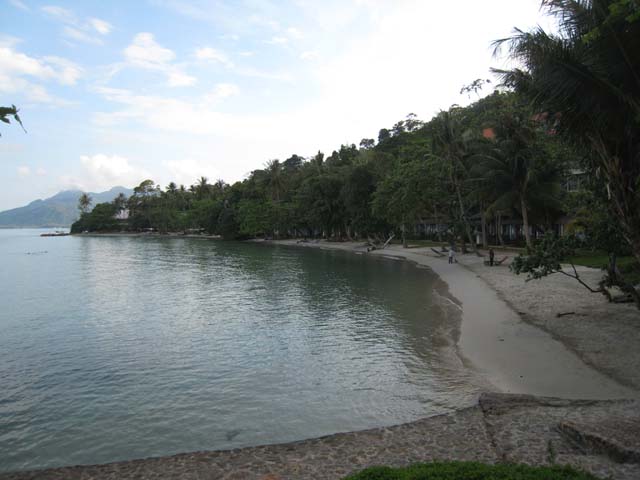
{"x":572,"y":105}
{"x":463,"y":170}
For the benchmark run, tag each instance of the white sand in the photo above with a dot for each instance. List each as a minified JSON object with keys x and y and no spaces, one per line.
{"x":511,"y":336}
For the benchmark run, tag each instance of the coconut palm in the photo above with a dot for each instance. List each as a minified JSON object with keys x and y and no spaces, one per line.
{"x":172,"y":188}
{"x":517,"y":170}
{"x":586,"y":80}
{"x":84,"y":202}
{"x":274,"y":179}
{"x":120,"y":202}
{"x":451,"y":146}
{"x":202,"y":188}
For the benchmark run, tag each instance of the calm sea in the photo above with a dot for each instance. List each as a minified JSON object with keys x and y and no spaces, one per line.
{"x":120,"y":348}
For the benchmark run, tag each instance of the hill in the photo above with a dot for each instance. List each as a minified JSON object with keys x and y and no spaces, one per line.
{"x":61,"y":210}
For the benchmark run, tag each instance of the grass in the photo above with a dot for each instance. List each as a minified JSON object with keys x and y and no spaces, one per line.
{"x":628,"y":266}
{"x":471,"y":471}
{"x":599,"y":259}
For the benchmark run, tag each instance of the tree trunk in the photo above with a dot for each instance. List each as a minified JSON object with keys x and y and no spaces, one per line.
{"x":525,"y":221}
{"x":404,"y":237}
{"x":435,"y":216}
{"x":483,"y":220}
{"x":463,"y":219}
{"x":499,"y":228}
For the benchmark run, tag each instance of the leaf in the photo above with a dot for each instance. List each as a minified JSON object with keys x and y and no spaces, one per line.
{"x":19,"y":121}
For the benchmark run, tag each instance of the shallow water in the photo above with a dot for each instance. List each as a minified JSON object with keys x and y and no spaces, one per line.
{"x":114,"y":348}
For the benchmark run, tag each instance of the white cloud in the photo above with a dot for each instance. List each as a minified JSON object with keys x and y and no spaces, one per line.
{"x":41,"y":172}
{"x":277,"y":40}
{"x":160,"y":113}
{"x":295,"y":33}
{"x":12,"y":62}
{"x":221,"y":91}
{"x":233,"y":37}
{"x":101,"y":172}
{"x":18,"y":70}
{"x":19,"y":4}
{"x":208,"y":53}
{"x":263,"y":22}
{"x":24,"y":171}
{"x":144,"y":52}
{"x":257,"y":73}
{"x":59,"y":13}
{"x":76,"y":29}
{"x":66,"y":72}
{"x":309,"y":55}
{"x":187,"y":171}
{"x":9,"y":41}
{"x":74,"y":33}
{"x":177,"y":78}
{"x":100,"y":26}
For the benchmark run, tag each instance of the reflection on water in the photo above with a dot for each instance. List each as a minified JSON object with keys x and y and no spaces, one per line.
{"x":118,"y":348}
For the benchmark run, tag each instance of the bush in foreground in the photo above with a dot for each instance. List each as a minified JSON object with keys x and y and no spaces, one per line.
{"x":470,"y":471}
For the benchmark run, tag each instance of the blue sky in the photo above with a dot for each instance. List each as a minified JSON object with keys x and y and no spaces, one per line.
{"x":115,"y":92}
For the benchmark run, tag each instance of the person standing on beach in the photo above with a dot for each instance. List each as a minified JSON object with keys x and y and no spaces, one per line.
{"x":492,"y":255}
{"x":452,"y":255}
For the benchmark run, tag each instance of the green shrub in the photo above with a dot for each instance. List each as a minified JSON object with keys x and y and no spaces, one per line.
{"x":470,"y":471}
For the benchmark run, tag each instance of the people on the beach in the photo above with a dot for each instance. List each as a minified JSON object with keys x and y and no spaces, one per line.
{"x":452,"y":255}
{"x":492,"y":255}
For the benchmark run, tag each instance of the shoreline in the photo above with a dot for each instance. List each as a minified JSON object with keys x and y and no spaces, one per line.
{"x":589,"y":339}
{"x":500,"y":427}
{"x":511,"y":353}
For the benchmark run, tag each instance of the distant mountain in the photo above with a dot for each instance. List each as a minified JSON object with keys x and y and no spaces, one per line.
{"x":61,"y":210}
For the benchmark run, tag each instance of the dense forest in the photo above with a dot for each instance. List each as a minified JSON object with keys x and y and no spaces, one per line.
{"x":463,"y":171}
{"x":552,"y":152}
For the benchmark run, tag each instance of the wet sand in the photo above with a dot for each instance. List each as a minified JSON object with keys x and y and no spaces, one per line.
{"x":513,"y":355}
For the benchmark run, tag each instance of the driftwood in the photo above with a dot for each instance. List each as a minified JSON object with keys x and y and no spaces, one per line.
{"x":437,"y":252}
{"x":496,"y":262}
{"x":388,"y":240}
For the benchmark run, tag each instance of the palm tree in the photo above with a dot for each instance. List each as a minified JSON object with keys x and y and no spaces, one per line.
{"x":202,"y":188}
{"x":120,"y":202}
{"x":517,"y":171}
{"x":450,"y":145}
{"x":84,"y":202}
{"x":274,"y":178}
{"x":586,"y":80}
{"x":172,"y":188}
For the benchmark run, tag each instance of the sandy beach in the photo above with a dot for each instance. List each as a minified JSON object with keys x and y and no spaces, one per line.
{"x":511,"y":332}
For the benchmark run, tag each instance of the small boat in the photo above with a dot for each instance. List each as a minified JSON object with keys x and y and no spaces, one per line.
{"x":55,"y":234}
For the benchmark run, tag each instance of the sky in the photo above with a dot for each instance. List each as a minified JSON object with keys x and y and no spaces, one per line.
{"x":112,"y":93}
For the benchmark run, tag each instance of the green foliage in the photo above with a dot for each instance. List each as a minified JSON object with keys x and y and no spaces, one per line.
{"x":583,"y":81}
{"x":471,"y":471}
{"x":84,"y":202}
{"x":12,"y":111}
{"x":546,"y":256}
{"x":417,"y":173}
{"x":101,"y":219}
